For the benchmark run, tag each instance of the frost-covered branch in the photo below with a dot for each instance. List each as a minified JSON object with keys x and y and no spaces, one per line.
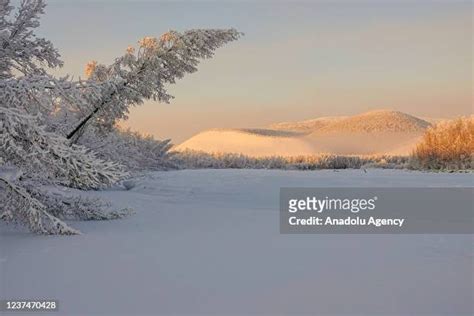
{"x":18,"y":206}
{"x":21,"y":50}
{"x":46,"y":155}
{"x":43,"y":211}
{"x":142,"y":73}
{"x":135,"y":151}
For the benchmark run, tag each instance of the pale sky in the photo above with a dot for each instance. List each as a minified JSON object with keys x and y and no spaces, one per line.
{"x":298,"y":60}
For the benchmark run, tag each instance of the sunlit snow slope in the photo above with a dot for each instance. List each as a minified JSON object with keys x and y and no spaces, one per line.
{"x":375,"y":132}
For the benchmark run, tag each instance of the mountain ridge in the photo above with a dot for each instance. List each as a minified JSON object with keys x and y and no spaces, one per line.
{"x":371,"y":121}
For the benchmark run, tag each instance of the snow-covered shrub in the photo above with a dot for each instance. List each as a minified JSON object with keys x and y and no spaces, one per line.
{"x":189,"y":159}
{"x":388,"y":162}
{"x":447,"y":145}
{"x":131,"y":149}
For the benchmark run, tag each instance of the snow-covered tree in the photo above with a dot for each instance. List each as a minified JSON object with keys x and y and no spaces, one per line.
{"x":134,"y":150}
{"x":143,"y":72}
{"x":42,"y":118}
{"x":446,"y":145}
{"x":21,"y":50}
{"x":46,"y":156}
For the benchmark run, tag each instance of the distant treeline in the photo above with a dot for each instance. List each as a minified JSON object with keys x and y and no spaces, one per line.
{"x":446,"y":146}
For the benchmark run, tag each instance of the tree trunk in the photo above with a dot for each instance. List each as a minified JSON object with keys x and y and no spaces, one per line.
{"x":74,"y":134}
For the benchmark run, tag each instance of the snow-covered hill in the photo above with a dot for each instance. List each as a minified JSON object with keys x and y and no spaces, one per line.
{"x":379,"y":121}
{"x":375,"y":132}
{"x":252,"y":142}
{"x":306,"y":126}
{"x":373,"y":121}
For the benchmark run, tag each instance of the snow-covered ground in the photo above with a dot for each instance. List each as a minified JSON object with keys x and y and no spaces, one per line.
{"x":207,"y":242}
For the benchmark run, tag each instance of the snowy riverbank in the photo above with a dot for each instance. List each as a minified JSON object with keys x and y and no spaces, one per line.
{"x":208,"y":242}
